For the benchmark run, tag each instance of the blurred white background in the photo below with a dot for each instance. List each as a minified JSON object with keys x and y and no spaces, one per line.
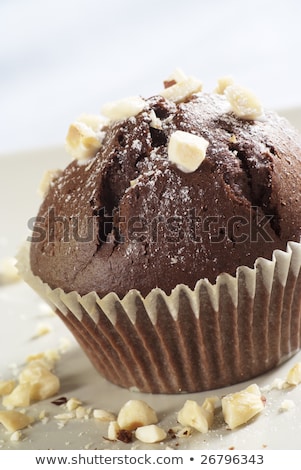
{"x":61,"y":58}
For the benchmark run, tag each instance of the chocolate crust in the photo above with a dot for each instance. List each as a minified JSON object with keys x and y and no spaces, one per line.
{"x":130,"y":219}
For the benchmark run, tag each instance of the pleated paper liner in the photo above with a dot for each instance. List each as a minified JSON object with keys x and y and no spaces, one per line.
{"x":192,"y":340}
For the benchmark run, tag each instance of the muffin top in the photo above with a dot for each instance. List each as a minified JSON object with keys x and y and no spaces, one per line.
{"x":168,"y":190}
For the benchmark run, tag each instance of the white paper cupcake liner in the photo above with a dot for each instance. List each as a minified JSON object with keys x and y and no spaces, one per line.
{"x":192,"y":340}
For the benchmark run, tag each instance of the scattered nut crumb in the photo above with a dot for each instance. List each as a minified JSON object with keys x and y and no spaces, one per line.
{"x":156,"y":122}
{"x":47,"y":358}
{"x":103,"y":415}
{"x":222,"y":84}
{"x":64,"y":416}
{"x":82,"y":412}
{"x":14,"y":420}
{"x":72,"y":404}
{"x":42,"y":329}
{"x":16,"y":436}
{"x":113,"y":430}
{"x":47,"y":180}
{"x":287,"y":405}
{"x":233,"y":139}
{"x":294,"y":375}
{"x":43,"y":383}
{"x":238,"y":408}
{"x":150,"y":434}
{"x":135,"y":413}
{"x":7,"y":386}
{"x":196,"y":416}
{"x":8,"y":271}
{"x":19,"y":397}
{"x":64,"y":346}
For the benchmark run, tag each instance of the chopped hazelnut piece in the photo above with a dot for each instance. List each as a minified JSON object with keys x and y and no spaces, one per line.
{"x":6,"y":386}
{"x":124,"y":108}
{"x":64,"y":416}
{"x":85,"y":136}
{"x":43,"y":383}
{"x":222,"y":84}
{"x":182,"y":89}
{"x":287,"y":405}
{"x":14,"y":420}
{"x":82,"y":412}
{"x":186,"y":150}
{"x":103,"y":415}
{"x":233,"y":139}
{"x":156,"y":122}
{"x":72,"y":404}
{"x":136,"y":413}
{"x":243,"y":102}
{"x":16,"y":436}
{"x":150,"y":434}
{"x":238,"y":408}
{"x":8,"y":271}
{"x":46,"y":181}
{"x":20,"y":396}
{"x":42,"y":329}
{"x":294,"y":375}
{"x":196,"y":416}
{"x":113,"y":431}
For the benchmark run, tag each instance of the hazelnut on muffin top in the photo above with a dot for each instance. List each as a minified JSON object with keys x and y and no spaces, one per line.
{"x":168,"y":190}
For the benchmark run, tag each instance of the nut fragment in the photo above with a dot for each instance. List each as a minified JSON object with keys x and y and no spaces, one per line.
{"x":6,"y":386}
{"x":47,"y":358}
{"x":287,"y":405}
{"x":243,"y":102}
{"x":82,"y":413}
{"x":182,"y":89}
{"x":136,"y":413}
{"x":64,"y":416}
{"x":8,"y":271}
{"x":46,"y":181}
{"x":294,"y":375}
{"x":42,"y":329}
{"x":196,"y":416}
{"x":113,"y":430}
{"x":72,"y":404}
{"x":222,"y":84}
{"x":16,"y":436}
{"x":150,"y":434}
{"x":238,"y":408}
{"x":14,"y":420}
{"x":20,"y":396}
{"x":186,"y":150}
{"x":85,"y":136}
{"x":43,"y":383}
{"x":103,"y":415}
{"x":156,"y":122}
{"x":124,"y":108}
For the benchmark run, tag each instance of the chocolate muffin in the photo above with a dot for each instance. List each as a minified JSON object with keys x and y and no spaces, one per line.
{"x":172,"y":241}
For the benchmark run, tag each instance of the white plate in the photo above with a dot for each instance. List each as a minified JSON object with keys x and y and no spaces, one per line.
{"x":22,"y":312}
